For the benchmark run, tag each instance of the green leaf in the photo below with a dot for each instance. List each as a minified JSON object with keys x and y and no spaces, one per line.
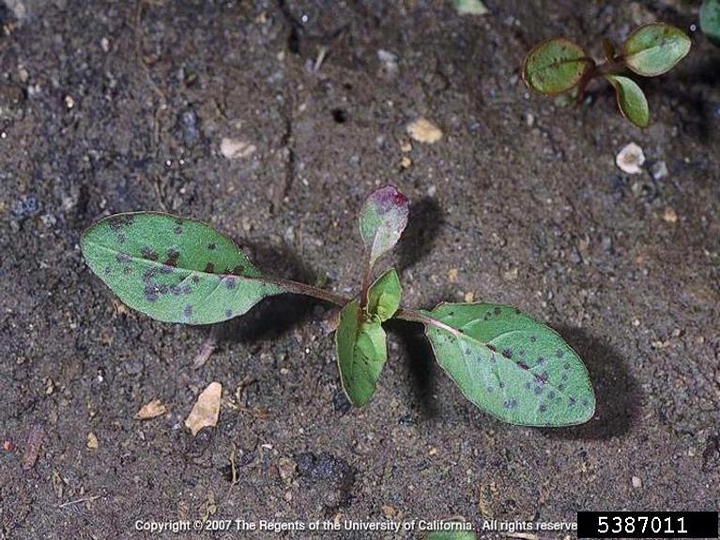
{"x":173,"y":269}
{"x":710,"y":20}
{"x":384,"y":296}
{"x":654,"y":49}
{"x":470,"y":7}
{"x":451,"y":535}
{"x":511,"y":366}
{"x":361,"y":353}
{"x":631,"y":100}
{"x":382,"y":220}
{"x":554,"y":66}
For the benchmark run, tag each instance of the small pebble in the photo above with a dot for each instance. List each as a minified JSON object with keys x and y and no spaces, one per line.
{"x":424,"y":131}
{"x":636,"y":482}
{"x":630,"y":159}
{"x":659,"y":170}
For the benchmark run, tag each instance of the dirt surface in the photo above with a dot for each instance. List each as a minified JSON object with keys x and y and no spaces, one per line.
{"x":111,"y":106}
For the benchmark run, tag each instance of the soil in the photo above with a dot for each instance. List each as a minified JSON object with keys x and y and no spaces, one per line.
{"x":115,"y":106}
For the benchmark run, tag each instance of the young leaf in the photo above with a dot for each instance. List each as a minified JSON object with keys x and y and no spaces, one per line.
{"x":470,"y":7}
{"x":654,"y":49}
{"x":554,"y":66}
{"x":361,"y":353}
{"x":173,"y":269}
{"x":631,"y":100}
{"x":710,"y":20}
{"x":511,"y":366}
{"x":384,"y":296}
{"x":382,"y":220}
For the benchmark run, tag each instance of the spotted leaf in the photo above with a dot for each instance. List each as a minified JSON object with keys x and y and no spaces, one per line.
{"x":511,"y":366}
{"x":383,"y":218}
{"x":361,"y":353}
{"x":173,"y":269}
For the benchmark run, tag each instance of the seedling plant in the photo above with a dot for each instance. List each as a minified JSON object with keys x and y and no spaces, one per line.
{"x":181,"y":270}
{"x":559,"y":66}
{"x":710,"y":20}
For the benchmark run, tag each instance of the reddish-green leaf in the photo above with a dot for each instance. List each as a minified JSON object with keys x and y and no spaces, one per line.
{"x":383,"y":218}
{"x":631,"y":100}
{"x":554,"y":66}
{"x":654,"y":49}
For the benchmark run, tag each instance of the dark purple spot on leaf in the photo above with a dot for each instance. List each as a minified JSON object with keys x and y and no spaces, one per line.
{"x":523,"y":365}
{"x":121,"y":238}
{"x":127,"y":270}
{"x":538,"y":390}
{"x":166,"y":269}
{"x":230,"y":282}
{"x":528,"y":385}
{"x":187,"y":311}
{"x":522,"y":352}
{"x":195,"y":278}
{"x":149,"y":273}
{"x":149,"y":253}
{"x":212,"y":246}
{"x":108,"y":270}
{"x":162,"y":288}
{"x":228,"y":313}
{"x":542,"y":408}
{"x":533,"y":338}
{"x":585,"y":402}
{"x":172,"y":257}
{"x":541,"y":379}
{"x":122,"y":258}
{"x":497,"y":311}
{"x":489,"y":389}
{"x":571,"y":401}
{"x":118,"y":222}
{"x":491,"y":347}
{"x":561,"y":387}
{"x":566,"y":365}
{"x":510,"y":403}
{"x":541,"y":361}
{"x":174,"y":290}
{"x":551,"y":394}
{"x":209,"y":268}
{"x":186,"y":289}
{"x":559,"y":354}
{"x":178,"y":230}
{"x":507,"y":353}
{"x":151,"y":293}
{"x":564,"y":376}
{"x":501,"y":384}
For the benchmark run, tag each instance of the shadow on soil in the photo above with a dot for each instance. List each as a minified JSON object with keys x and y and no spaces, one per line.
{"x":419,"y":236}
{"x":617,"y":393}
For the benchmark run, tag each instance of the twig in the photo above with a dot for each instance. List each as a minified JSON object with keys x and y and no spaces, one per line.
{"x":84,"y":499}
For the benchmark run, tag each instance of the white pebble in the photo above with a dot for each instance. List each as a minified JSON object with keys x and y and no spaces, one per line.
{"x":630,"y":159}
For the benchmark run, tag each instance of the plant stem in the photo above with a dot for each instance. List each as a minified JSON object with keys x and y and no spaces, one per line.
{"x":308,"y":290}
